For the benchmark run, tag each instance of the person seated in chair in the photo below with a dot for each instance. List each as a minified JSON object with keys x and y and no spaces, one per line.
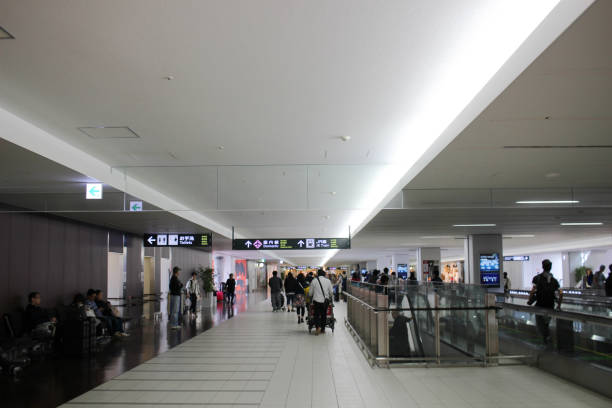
{"x":38,"y":321}
{"x":109,"y":323}
{"x":107,"y":310}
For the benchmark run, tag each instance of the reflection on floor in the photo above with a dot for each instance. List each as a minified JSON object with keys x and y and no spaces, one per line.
{"x":54,"y":381}
{"x":265,"y":359}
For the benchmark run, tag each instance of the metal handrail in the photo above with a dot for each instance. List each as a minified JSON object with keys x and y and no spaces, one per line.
{"x":420,"y":309}
{"x":562,"y":314}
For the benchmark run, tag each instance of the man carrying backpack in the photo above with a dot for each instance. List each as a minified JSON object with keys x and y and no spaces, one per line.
{"x":543,"y":293}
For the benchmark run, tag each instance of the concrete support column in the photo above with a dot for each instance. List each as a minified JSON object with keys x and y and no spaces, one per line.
{"x":427,"y":260}
{"x":483,"y":245}
{"x":566,"y":271}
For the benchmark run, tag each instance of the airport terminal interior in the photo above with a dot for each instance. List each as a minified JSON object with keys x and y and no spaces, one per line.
{"x":271,"y":203}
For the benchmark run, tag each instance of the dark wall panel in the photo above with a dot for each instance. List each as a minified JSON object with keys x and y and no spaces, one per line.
{"x":134,"y":285}
{"x":19,"y":258}
{"x":189,"y":260}
{"x":39,"y":259}
{"x":5,"y":229}
{"x":85,"y":277}
{"x":55,"y":268}
{"x":71,"y":259}
{"x":99,"y":259}
{"x":54,"y":256}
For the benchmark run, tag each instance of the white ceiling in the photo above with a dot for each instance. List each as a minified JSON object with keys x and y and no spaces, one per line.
{"x":247,"y":133}
{"x":476,"y":180}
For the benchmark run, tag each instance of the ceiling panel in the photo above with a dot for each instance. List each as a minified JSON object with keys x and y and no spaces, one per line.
{"x":262,"y":187}
{"x":193,"y":186}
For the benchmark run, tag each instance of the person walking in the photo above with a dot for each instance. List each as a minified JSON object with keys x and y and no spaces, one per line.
{"x":321,"y":292}
{"x":193,"y":291}
{"x":276,"y":285}
{"x":299,"y":302}
{"x":507,"y":284}
{"x":609,"y":282}
{"x":587,"y":280}
{"x":290,"y":290}
{"x":175,"y":298}
{"x":599,"y":278}
{"x":230,"y":289}
{"x":543,"y":293}
{"x":344,"y":285}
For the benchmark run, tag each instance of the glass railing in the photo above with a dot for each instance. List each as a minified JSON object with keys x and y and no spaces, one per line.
{"x":422,"y":323}
{"x":534,"y":330}
{"x":446,"y":324}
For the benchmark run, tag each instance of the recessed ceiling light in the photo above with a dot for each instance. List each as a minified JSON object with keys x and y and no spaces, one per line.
{"x":474,"y":225}
{"x":220,"y":147}
{"x":169,"y":77}
{"x":109,"y":132}
{"x":552,"y":175}
{"x":438,"y":237}
{"x":5,"y":35}
{"x":345,"y":138}
{"x":549,"y":202}
{"x":518,"y":236}
{"x":580,"y":223}
{"x":327,"y":217}
{"x":332,"y":193}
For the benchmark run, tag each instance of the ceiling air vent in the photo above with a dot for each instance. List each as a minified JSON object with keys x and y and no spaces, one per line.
{"x":109,"y":132}
{"x":5,"y":35}
{"x":560,"y":147}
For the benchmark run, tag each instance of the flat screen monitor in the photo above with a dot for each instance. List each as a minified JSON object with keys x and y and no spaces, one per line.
{"x":489,"y":270}
{"x":402,"y":271}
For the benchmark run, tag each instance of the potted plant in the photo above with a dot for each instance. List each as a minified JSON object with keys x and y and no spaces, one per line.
{"x":207,"y":276}
{"x":579,"y":273}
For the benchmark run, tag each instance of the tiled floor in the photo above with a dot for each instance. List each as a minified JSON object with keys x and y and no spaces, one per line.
{"x":265,"y":359}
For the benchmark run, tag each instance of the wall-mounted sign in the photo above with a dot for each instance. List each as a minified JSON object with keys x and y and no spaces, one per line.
{"x":135,"y":205}
{"x":178,"y":240}
{"x":93,"y":191}
{"x":517,"y":258}
{"x":290,"y":243}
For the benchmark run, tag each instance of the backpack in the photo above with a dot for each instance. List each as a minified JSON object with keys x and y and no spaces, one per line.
{"x":545,"y":292}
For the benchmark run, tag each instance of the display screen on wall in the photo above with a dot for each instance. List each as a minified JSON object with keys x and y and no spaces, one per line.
{"x":178,"y":240}
{"x":290,"y":243}
{"x":489,"y":269}
{"x":402,"y":271}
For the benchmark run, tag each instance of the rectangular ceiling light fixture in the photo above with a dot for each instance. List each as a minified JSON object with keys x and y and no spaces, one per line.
{"x":518,"y":236}
{"x":438,"y":237}
{"x":569,"y":224}
{"x":474,"y":225}
{"x":109,"y":132}
{"x":549,"y":202}
{"x":5,"y":35}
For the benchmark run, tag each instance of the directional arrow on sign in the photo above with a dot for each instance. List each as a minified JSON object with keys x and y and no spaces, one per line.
{"x":301,"y":243}
{"x":94,"y":191}
{"x":136,"y":207}
{"x":248,"y":244}
{"x":151,"y":240}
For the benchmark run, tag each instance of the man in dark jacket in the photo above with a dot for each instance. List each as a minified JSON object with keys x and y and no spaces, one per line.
{"x":276,"y":285}
{"x":36,"y":318}
{"x":175,"y":298}
{"x":230,"y":288}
